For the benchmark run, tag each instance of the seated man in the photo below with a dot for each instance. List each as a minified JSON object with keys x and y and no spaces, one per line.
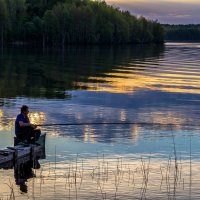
{"x":24,"y":130}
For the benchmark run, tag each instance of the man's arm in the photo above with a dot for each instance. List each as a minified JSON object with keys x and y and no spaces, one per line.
{"x":22,"y":124}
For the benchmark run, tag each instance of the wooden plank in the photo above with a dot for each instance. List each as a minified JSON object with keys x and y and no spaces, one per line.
{"x":36,"y":151}
{"x":22,"y":160}
{"x":22,"y":153}
{"x":6,"y":165}
{"x":6,"y":156}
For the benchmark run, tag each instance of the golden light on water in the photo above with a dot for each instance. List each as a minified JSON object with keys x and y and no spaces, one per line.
{"x":88,"y":133}
{"x":1,"y":114}
{"x":135,"y":133}
{"x":8,"y":123}
{"x":168,"y":117}
{"x":37,"y":117}
{"x":123,"y":115}
{"x":5,"y":124}
{"x":149,"y":76}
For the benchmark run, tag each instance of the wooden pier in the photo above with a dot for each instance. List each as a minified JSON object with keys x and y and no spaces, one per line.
{"x":22,"y":153}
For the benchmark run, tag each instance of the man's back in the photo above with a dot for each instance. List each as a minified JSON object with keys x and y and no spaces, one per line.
{"x":19,"y":118}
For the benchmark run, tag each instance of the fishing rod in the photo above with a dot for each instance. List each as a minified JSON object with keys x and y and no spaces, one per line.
{"x":116,"y":123}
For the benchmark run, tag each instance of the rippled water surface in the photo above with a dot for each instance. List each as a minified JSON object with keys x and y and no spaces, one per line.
{"x":155,"y":88}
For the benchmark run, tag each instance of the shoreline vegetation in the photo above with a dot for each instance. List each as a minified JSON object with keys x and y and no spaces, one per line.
{"x":58,"y":23}
{"x":182,"y":33}
{"x":63,"y":22}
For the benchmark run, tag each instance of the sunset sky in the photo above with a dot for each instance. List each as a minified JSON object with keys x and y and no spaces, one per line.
{"x":165,"y":11}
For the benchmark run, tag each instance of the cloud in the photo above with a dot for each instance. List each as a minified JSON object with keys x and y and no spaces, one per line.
{"x":165,"y":11}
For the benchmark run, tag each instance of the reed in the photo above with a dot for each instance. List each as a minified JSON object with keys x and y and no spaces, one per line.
{"x":12,"y":194}
{"x":110,"y":176}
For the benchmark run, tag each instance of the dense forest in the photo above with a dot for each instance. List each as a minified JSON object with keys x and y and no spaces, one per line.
{"x":61,"y":22}
{"x":182,"y":32}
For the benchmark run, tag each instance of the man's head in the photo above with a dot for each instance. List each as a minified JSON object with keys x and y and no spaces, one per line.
{"x":24,"y":110}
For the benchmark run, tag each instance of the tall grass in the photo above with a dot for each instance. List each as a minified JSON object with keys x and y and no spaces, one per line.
{"x":107,"y":177}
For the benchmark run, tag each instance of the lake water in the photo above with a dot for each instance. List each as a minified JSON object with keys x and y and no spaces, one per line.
{"x":155,"y":88}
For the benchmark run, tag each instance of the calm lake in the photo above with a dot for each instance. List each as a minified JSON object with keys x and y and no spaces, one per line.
{"x":155,"y":88}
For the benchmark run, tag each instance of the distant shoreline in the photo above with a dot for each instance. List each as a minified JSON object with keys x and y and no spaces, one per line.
{"x":182,"y":33}
{"x":33,"y":44}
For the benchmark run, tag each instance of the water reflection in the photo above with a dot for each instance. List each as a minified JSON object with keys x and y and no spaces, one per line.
{"x":7,"y":120}
{"x":149,"y":84}
{"x":38,"y":74}
{"x":155,"y":87}
{"x":23,"y":172}
{"x":129,"y":177}
{"x":133,"y":110}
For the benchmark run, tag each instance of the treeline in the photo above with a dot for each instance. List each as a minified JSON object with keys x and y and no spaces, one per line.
{"x":61,"y":22}
{"x":182,"y":32}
